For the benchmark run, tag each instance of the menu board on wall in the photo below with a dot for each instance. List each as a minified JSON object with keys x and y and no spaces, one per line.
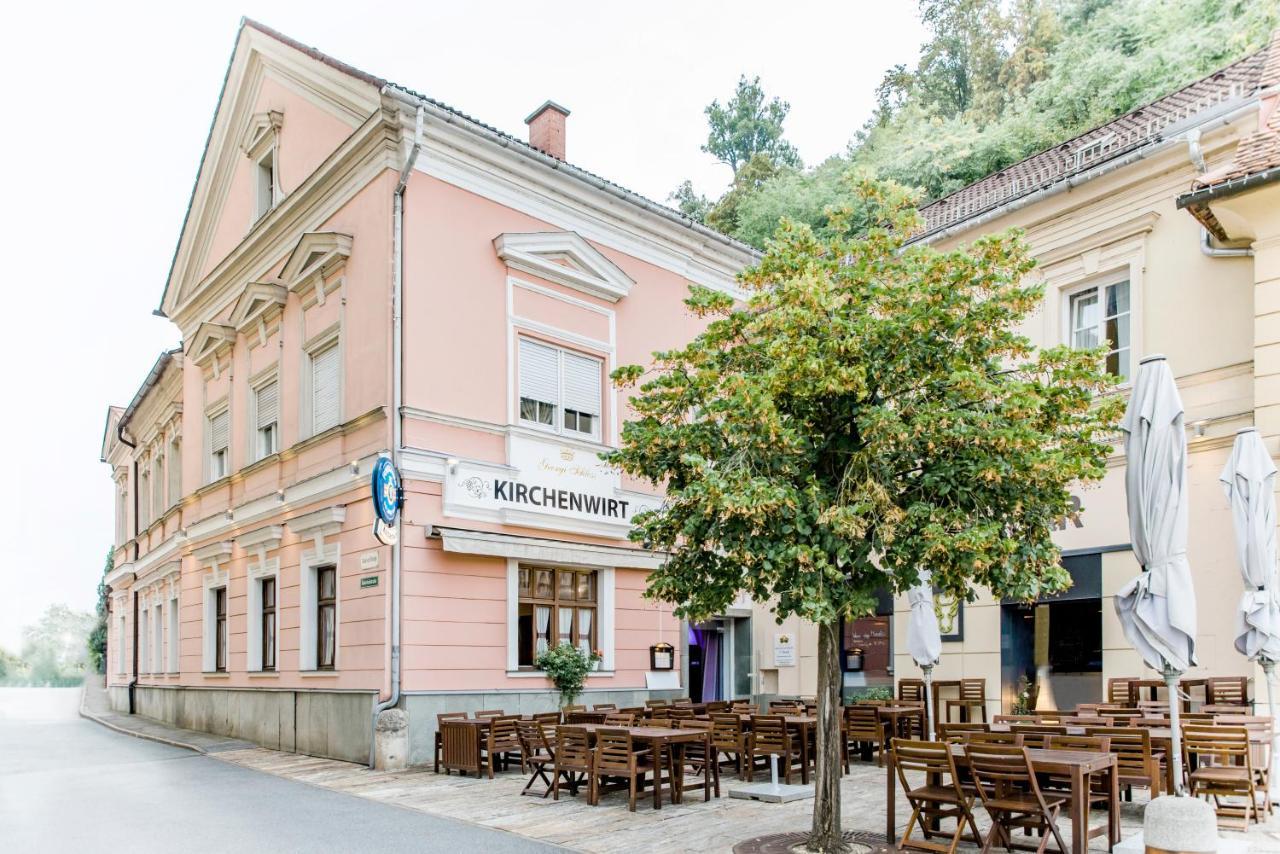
{"x":784,"y":649}
{"x":871,"y":635}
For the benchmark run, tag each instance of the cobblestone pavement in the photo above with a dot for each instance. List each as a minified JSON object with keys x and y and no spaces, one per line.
{"x":693,"y":826}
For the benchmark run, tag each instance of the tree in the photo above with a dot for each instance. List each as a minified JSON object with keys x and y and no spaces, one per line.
{"x":960,"y":64}
{"x":55,"y":646}
{"x":748,"y":125}
{"x":869,"y":412}
{"x":753,"y":175}
{"x":97,"y":640}
{"x":690,"y":202}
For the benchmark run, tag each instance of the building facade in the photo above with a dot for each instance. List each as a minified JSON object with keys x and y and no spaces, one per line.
{"x":1124,"y":266}
{"x":364,"y":272}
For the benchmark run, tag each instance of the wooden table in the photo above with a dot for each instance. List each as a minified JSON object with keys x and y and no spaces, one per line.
{"x":669,"y":743}
{"x":935,"y":691}
{"x":1077,"y":765}
{"x":460,"y":743}
{"x":802,"y":724}
{"x":1153,"y":687}
{"x":891,"y":719}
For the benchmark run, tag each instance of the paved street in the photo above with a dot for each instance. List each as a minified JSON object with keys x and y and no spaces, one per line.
{"x":63,"y":780}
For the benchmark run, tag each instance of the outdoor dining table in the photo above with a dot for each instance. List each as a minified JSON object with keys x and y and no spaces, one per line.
{"x":668,"y":743}
{"x":802,"y":724}
{"x":891,"y":720}
{"x":460,"y":743}
{"x":1078,"y":766}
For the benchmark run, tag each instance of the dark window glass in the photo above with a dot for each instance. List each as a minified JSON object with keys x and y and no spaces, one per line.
{"x":555,"y":606}
{"x":268,"y":624}
{"x":326,"y":617}
{"x":220,"y":632}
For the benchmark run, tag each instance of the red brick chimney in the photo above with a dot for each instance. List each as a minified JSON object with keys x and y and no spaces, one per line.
{"x":546,"y":129}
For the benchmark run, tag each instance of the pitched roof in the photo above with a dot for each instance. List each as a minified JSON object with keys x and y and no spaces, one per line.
{"x":1260,"y":150}
{"x":1151,"y":123}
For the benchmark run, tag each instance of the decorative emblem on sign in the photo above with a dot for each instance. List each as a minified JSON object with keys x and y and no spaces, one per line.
{"x":566,"y":454}
{"x":474,"y":487}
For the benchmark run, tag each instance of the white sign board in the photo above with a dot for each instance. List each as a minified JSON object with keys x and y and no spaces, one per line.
{"x":784,"y":649}
{"x":369,"y":560}
{"x":548,"y":484}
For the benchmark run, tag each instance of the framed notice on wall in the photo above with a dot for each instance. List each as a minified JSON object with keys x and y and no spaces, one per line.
{"x":662,"y":656}
{"x":784,"y":649}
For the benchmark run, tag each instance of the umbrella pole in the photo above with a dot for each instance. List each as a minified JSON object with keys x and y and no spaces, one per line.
{"x":928,"y":701}
{"x":1175,"y":740}
{"x":1269,"y":669}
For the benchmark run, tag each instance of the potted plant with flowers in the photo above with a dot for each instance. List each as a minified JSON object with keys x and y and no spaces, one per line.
{"x":567,"y":667}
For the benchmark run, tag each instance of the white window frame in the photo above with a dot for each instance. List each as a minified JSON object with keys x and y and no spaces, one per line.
{"x":263,"y":206}
{"x":122,"y":511}
{"x":606,"y":606}
{"x":173,"y":470}
{"x":309,"y":601}
{"x":211,"y":413}
{"x":158,"y":505}
{"x":120,"y":635}
{"x":157,"y":637}
{"x":144,"y":495}
{"x":257,"y":573}
{"x":557,"y":418}
{"x":144,"y":641}
{"x":175,"y":633}
{"x":321,"y":342}
{"x":209,"y":629}
{"x":1099,"y":284}
{"x":255,"y":446}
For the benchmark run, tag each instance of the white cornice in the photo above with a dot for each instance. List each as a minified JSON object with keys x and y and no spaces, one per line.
{"x":258,"y":304}
{"x":260,"y":134}
{"x":210,"y":339}
{"x":328,"y":519}
{"x":564,"y":258}
{"x":213,"y":553}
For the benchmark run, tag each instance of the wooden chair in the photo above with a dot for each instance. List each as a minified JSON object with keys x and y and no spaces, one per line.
{"x":1136,"y":763}
{"x":1224,"y":769}
{"x":681,"y":713}
{"x":973,"y":696}
{"x":744,"y":708}
{"x":619,"y":719}
{"x":682,"y":701}
{"x":862,"y":732}
{"x":1120,"y":717}
{"x":1259,"y":751}
{"x":489,"y":713}
{"x":958,"y":733}
{"x":604,"y":707}
{"x":699,"y":758}
{"x":1007,"y":784}
{"x":911,"y":690}
{"x":1050,"y":718}
{"x":1009,"y":739}
{"x":717,"y":706}
{"x":769,"y":736}
{"x":1219,"y":709}
{"x":616,"y":756}
{"x":573,"y":763}
{"x":1085,"y":720}
{"x":574,"y":708}
{"x":502,"y":740}
{"x":1098,"y":792}
{"x":538,"y":753}
{"x":551,"y":719}
{"x":1015,"y":719}
{"x":1227,"y":691}
{"x":728,"y":737}
{"x":660,"y":713}
{"x":655,"y":704}
{"x":440,"y":719}
{"x":1035,"y":735}
{"x":1120,"y":690}
{"x":940,"y":797}
{"x":785,"y":707}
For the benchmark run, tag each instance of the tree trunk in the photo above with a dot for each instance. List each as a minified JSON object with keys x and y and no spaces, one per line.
{"x":826,"y":835}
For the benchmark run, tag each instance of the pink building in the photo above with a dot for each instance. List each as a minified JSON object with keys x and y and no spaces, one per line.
{"x":364,"y":272}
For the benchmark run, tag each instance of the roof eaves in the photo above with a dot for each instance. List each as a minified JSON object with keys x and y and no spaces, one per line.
{"x":153,"y":377}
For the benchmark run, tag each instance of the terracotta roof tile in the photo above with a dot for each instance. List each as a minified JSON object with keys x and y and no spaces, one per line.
{"x":1260,"y":150}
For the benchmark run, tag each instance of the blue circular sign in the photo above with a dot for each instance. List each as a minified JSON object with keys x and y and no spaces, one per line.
{"x":386,"y":490}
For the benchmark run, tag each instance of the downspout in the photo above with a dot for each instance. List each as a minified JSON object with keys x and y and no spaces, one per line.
{"x":133,"y":673}
{"x":1196,"y":155}
{"x":397,"y":402}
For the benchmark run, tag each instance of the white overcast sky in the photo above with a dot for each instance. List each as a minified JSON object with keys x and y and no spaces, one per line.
{"x":108,"y":107}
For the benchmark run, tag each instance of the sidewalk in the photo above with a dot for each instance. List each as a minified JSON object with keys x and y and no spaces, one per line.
{"x":94,"y":706}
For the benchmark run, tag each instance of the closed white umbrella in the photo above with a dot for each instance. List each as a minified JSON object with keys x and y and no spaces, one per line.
{"x":924,"y":641}
{"x":1157,"y":610}
{"x":1248,"y":479}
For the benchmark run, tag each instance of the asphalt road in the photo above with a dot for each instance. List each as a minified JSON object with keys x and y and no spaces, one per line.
{"x":68,"y":784}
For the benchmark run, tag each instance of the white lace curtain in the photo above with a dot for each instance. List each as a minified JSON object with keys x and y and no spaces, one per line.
{"x":544,"y":627}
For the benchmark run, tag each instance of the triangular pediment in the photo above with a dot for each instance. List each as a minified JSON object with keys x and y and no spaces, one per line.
{"x":209,"y":340}
{"x":259,"y":301}
{"x":316,"y":254}
{"x":565,"y":258}
{"x":260,"y":134}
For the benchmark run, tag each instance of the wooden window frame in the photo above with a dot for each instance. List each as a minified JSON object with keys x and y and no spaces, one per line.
{"x":220,"y":629}
{"x":269,"y":626}
{"x":322,"y":604}
{"x":555,"y":602}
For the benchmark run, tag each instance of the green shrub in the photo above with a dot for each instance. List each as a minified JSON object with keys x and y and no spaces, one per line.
{"x":567,"y":668}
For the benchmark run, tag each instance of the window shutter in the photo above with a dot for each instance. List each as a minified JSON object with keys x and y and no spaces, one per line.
{"x":268,"y":404}
{"x":581,"y":384}
{"x":538,"y":372}
{"x":324,"y":389}
{"x":218,"y":431}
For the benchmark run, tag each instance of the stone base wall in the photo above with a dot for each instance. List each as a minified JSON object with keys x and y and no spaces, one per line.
{"x":336,"y":725}
{"x":423,"y":708}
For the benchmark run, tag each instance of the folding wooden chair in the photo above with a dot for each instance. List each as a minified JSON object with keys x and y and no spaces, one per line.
{"x":863,"y":732}
{"x":616,"y":756}
{"x":440,"y":719}
{"x":769,"y":736}
{"x":500,"y":742}
{"x":1224,"y":769}
{"x":538,"y":754}
{"x":1136,"y":763}
{"x":619,"y":719}
{"x":1006,"y":782}
{"x":1227,"y":691}
{"x":958,"y":733}
{"x":489,"y":713}
{"x":940,"y":797}
{"x":1120,"y":690}
{"x":728,"y":737}
{"x":973,"y":697}
{"x":573,"y":763}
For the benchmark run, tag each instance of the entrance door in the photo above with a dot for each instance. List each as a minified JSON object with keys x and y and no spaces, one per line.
{"x":706,"y":661}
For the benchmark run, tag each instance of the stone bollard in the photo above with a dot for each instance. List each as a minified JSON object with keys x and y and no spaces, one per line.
{"x":391,"y":741}
{"x":1180,"y":824}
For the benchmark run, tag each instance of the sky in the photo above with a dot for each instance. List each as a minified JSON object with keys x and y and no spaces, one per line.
{"x":109,"y":105}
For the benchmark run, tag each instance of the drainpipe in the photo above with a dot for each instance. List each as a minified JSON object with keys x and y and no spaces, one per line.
{"x":133,"y":674}
{"x":397,"y":401}
{"x":1196,"y":155}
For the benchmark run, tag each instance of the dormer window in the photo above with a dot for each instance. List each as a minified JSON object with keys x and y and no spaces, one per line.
{"x":260,"y":144}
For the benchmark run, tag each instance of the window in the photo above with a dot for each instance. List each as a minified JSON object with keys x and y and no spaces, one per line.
{"x":142,"y":641}
{"x":175,"y":471}
{"x":219,"y":445}
{"x":266,"y":415}
{"x":559,"y":390}
{"x":326,"y":616}
{"x":122,"y":510}
{"x":268,"y":623}
{"x":175,"y":642}
{"x":556,"y":606}
{"x":220,"y":629}
{"x":325,"y":392}
{"x":119,"y":646}
{"x":157,"y":487}
{"x":144,"y":500}
{"x":265,"y":190}
{"x":157,"y":645}
{"x":1099,"y":317}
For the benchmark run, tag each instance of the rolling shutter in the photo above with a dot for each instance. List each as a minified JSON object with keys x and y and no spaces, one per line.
{"x":538,"y":380}
{"x":218,"y":431}
{"x":268,"y":404}
{"x":324,"y":389}
{"x":581,"y":384}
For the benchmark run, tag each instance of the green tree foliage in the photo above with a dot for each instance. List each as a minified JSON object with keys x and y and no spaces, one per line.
{"x":97,"y":640}
{"x":749,"y":125}
{"x":55,"y":647}
{"x":869,"y":412}
{"x":997,"y":82}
